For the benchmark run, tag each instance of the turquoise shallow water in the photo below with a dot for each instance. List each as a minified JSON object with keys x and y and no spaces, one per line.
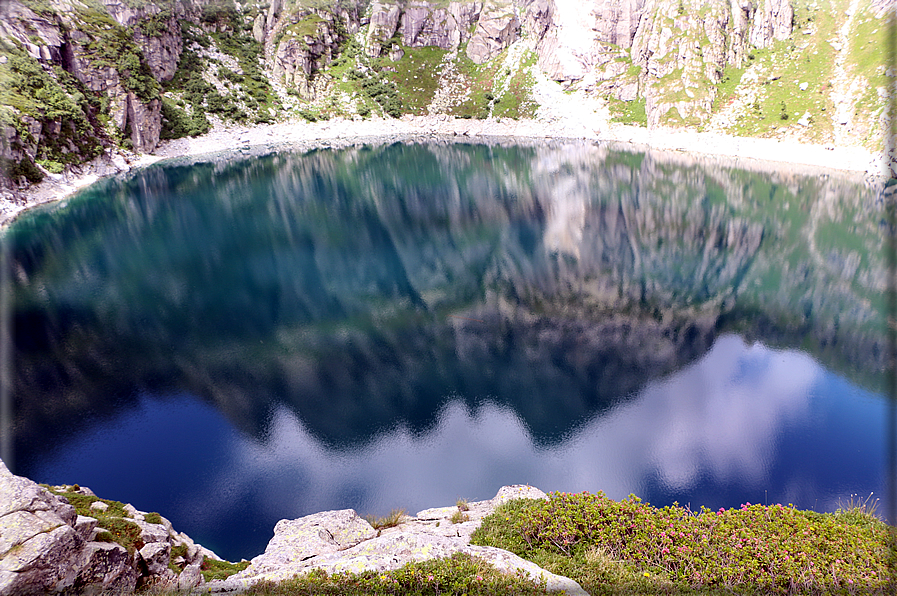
{"x":404,"y":325}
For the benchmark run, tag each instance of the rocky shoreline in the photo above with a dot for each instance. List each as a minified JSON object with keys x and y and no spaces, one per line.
{"x":47,"y":547}
{"x":752,"y":153}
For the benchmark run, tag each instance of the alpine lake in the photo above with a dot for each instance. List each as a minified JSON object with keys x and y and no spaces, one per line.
{"x":239,"y":340}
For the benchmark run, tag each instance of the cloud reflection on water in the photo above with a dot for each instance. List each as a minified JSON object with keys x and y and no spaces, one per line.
{"x":720,"y":418}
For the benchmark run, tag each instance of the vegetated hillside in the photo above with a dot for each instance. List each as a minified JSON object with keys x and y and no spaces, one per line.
{"x":82,"y":77}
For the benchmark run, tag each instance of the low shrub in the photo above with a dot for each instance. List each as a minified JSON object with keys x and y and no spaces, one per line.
{"x":459,"y":517}
{"x":757,"y":548}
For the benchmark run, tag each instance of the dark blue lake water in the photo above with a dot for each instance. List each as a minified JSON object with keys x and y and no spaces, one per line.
{"x":231,"y":343}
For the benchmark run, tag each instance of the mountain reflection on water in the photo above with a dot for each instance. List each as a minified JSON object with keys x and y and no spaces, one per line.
{"x":406,"y":324}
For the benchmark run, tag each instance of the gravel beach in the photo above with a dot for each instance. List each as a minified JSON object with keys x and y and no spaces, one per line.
{"x":751,"y":153}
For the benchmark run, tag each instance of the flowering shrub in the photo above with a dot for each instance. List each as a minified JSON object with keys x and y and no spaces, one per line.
{"x":769,"y":549}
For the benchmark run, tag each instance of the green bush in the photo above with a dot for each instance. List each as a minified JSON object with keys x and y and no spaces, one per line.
{"x":220,"y":12}
{"x":177,"y":123}
{"x":24,"y":168}
{"x":757,"y":548}
{"x":54,"y":167}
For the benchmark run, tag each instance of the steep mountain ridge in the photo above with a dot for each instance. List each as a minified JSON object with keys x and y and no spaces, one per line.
{"x":89,"y":78}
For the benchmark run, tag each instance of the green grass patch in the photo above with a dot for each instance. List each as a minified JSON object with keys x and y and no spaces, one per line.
{"x":416,"y":77}
{"x":726,"y":89}
{"x":481,"y":79}
{"x":304,"y":27}
{"x":212,"y":569}
{"x":113,"y":521}
{"x":517,"y":100}
{"x":628,"y":112}
{"x":457,"y":576}
{"x":630,"y":546}
{"x":177,"y":551}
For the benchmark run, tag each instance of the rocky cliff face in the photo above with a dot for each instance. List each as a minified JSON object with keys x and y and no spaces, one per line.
{"x":124,"y":74}
{"x":73,"y":69}
{"x":47,"y":547}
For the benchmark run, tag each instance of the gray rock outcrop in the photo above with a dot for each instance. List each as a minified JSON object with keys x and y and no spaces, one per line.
{"x":496,"y":29}
{"x":421,"y":23}
{"x":771,"y":22}
{"x":46,"y":547}
{"x":340,"y":541}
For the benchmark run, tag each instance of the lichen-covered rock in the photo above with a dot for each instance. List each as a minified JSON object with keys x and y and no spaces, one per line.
{"x":156,"y":556}
{"x":190,"y":577}
{"x":106,"y":566}
{"x":300,"y":539}
{"x":426,"y":24}
{"x":43,"y":562}
{"x":338,"y":541}
{"x":162,"y":46}
{"x":771,"y":22}
{"x":383,"y":24}
{"x":46,"y":547}
{"x":421,"y":23}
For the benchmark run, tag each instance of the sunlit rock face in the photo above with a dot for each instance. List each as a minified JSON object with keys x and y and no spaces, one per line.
{"x":360,"y":294}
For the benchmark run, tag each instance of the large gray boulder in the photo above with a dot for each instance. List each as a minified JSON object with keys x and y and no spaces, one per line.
{"x":340,"y":541}
{"x":297,"y":541}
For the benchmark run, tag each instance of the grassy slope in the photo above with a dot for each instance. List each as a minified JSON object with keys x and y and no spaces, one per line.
{"x":801,"y":59}
{"x":810,"y":58}
{"x":868,"y":59}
